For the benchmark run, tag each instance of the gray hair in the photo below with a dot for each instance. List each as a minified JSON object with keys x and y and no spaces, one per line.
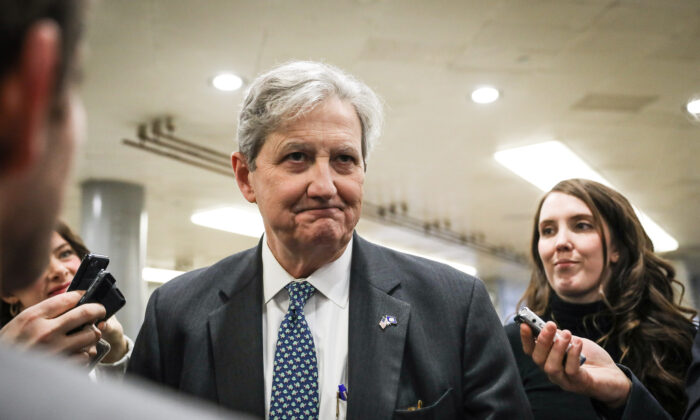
{"x":288,"y":91}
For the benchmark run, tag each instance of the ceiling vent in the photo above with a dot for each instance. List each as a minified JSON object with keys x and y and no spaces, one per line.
{"x":616,"y":103}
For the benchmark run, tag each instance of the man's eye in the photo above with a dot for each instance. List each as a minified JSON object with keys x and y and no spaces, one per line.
{"x":346,"y":159}
{"x":296,"y":156}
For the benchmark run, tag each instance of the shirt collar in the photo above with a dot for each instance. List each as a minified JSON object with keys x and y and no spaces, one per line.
{"x":332,"y":280}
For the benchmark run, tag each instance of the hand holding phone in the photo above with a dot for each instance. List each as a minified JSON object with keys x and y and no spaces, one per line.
{"x":45,"y":325}
{"x":99,"y":285}
{"x":536,"y":324}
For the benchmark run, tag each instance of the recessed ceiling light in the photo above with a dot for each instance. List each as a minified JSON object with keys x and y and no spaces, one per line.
{"x":159,"y":275}
{"x":545,"y":164}
{"x":485,"y":95}
{"x":227,"y":82}
{"x":242,"y":219}
{"x":693,"y":107}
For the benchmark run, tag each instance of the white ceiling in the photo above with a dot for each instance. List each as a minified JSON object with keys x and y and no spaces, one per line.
{"x":150,"y":58}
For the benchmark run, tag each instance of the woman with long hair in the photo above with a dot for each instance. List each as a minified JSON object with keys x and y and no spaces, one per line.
{"x":66,"y":252}
{"x":596,"y":275}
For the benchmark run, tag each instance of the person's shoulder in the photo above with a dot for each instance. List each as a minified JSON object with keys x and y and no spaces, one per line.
{"x":512,"y":331}
{"x":205,"y":279}
{"x":410,"y":266}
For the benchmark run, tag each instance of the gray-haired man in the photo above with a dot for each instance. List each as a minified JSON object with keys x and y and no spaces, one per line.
{"x":283,"y":329}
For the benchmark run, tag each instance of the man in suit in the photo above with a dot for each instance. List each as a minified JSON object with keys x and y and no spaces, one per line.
{"x":40,"y":119}
{"x":284,"y":328}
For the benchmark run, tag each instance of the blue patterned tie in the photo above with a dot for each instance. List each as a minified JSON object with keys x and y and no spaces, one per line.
{"x":295,"y":375}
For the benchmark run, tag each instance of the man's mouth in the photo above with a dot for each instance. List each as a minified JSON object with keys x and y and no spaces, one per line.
{"x":319,"y":209}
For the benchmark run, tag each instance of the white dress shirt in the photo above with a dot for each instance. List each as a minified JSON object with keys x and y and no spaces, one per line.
{"x":326,"y":313}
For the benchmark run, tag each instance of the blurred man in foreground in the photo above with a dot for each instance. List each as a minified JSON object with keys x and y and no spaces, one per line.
{"x":40,"y":119}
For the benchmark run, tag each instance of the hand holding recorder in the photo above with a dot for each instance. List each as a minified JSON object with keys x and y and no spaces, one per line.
{"x":599,"y":377}
{"x":46,"y":325}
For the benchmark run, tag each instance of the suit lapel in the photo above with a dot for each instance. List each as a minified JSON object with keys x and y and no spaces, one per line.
{"x":235,"y":331}
{"x":375,"y":356}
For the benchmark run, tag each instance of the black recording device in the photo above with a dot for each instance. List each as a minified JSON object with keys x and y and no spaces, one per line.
{"x":90,"y":266}
{"x":99,"y":285}
{"x":103,"y":290}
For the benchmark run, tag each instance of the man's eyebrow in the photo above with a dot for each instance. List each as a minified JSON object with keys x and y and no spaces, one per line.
{"x":346,"y":148}
{"x":294,"y":145}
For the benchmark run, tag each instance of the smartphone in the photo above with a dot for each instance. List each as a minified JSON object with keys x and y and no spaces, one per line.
{"x":105,"y":292}
{"x":536,"y":324}
{"x":103,"y":347}
{"x":87,"y":272}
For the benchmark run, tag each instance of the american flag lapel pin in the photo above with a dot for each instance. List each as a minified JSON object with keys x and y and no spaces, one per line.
{"x":387,"y":320}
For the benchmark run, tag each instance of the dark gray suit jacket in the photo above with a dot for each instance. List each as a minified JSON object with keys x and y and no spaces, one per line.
{"x":203,"y":335}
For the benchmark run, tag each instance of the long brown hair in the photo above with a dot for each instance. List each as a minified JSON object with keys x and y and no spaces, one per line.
{"x":653,"y":331}
{"x":73,"y":240}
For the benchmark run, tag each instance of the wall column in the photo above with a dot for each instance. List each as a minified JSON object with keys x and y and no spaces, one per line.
{"x":114,"y":223}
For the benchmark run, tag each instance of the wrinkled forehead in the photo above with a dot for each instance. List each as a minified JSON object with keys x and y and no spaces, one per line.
{"x":330,"y":120}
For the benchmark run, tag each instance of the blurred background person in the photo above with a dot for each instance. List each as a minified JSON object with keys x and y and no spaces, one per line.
{"x":66,"y":252}
{"x":596,"y":275}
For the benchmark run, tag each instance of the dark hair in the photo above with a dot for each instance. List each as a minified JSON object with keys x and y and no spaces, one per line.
{"x":73,"y":240}
{"x":17,"y":17}
{"x":653,"y":331}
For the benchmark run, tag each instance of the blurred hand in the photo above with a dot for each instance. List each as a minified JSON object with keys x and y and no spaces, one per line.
{"x":598,"y":378}
{"x":45,"y":325}
{"x":84,"y":355}
{"x":113,"y":333}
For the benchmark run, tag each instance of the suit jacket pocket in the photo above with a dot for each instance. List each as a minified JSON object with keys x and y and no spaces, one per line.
{"x":443,"y":408}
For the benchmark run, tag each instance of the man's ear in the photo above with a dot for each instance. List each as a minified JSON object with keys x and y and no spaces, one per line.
{"x":26,"y":94}
{"x":243,"y":176}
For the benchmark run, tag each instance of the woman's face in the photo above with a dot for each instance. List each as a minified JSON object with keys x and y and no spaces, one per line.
{"x":63,"y":263}
{"x":571,"y":249}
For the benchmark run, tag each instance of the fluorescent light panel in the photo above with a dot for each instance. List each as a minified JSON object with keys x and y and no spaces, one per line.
{"x":242,"y":220}
{"x":545,"y":164}
{"x":159,"y":275}
{"x":461,"y":267}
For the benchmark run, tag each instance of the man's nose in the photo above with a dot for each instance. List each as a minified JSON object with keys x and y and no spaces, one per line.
{"x":322,"y":182}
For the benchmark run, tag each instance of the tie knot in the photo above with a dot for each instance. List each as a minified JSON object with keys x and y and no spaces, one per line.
{"x":299,"y":293}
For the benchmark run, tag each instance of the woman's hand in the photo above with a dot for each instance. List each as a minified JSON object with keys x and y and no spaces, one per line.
{"x":46,"y":324}
{"x":113,"y":332}
{"x":598,"y":378}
